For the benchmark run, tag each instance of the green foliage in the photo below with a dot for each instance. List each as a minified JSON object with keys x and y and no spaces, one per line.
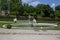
{"x":33,"y":14}
{"x":42,"y":14}
{"x":57,"y":11}
{"x":9,"y":26}
{"x":1,"y":25}
{"x":43,"y":9}
{"x":19,"y":9}
{"x":57,"y":7}
{"x":25,"y":13}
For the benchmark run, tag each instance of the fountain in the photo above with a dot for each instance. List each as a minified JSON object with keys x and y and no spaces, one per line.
{"x":29,"y":19}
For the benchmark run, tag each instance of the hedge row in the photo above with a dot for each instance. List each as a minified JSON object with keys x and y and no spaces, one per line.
{"x":10,"y":18}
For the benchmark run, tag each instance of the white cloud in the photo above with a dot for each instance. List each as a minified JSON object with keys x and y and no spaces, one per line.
{"x":31,"y":2}
{"x":34,"y":3}
{"x":53,"y":5}
{"x":26,"y":1}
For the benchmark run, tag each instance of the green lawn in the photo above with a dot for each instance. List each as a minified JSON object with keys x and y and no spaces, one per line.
{"x":5,"y":22}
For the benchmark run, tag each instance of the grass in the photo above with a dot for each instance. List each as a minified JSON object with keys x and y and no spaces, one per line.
{"x":5,"y":22}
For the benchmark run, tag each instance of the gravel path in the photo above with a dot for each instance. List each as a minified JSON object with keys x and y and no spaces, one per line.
{"x":31,"y":32}
{"x":17,"y":34}
{"x":29,"y":37}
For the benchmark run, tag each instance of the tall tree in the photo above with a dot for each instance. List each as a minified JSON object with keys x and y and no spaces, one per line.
{"x":15,"y":6}
{"x":57,"y":11}
{"x":26,"y":9}
{"x":0,"y":6}
{"x":43,"y":9}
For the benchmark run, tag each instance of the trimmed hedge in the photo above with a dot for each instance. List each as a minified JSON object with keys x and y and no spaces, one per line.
{"x":10,"y":18}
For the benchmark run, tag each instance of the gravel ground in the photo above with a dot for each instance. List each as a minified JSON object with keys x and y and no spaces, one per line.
{"x":29,"y":37}
{"x":17,"y":34}
{"x":38,"y":32}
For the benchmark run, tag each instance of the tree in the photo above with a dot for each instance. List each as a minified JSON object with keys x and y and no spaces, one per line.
{"x":32,"y":10}
{"x":57,"y":11}
{"x":43,"y":8}
{"x":0,"y":6}
{"x":15,"y":6}
{"x":26,"y":9}
{"x":57,"y":7}
{"x":3,"y":5}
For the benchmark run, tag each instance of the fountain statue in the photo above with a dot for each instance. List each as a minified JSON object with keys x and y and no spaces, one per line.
{"x":34,"y":22}
{"x":15,"y":20}
{"x":29,"y":19}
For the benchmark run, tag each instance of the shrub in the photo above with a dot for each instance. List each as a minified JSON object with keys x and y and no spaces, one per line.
{"x":8,"y":26}
{"x":1,"y":25}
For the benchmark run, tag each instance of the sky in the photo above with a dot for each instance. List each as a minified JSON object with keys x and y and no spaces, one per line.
{"x":52,"y":3}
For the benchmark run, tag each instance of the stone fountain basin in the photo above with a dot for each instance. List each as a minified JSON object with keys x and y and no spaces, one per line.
{"x":37,"y":24}
{"x":46,"y":24}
